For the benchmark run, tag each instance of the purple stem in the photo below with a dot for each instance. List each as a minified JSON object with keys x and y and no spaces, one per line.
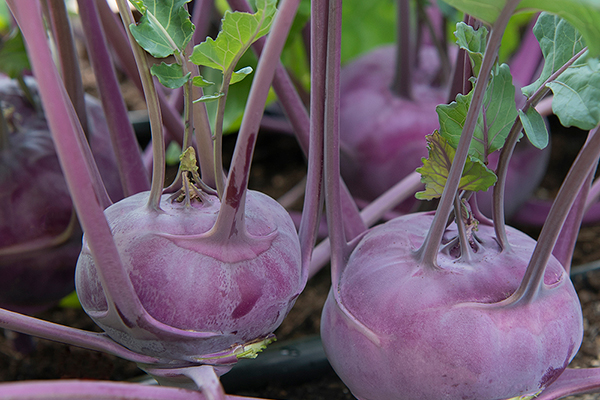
{"x":201,"y":19}
{"x":69,"y":61}
{"x":301,"y":123}
{"x":65,"y":130}
{"x":572,"y":382}
{"x":428,"y":251}
{"x":129,"y":161}
{"x":155,"y":115}
{"x":507,"y":151}
{"x":578,"y":174}
{"x":402,"y":83}
{"x":232,"y":208}
{"x":333,"y":203}
{"x":117,"y":38}
{"x":98,"y":390}
{"x":593,"y":195}
{"x":565,"y":243}
{"x":65,"y":334}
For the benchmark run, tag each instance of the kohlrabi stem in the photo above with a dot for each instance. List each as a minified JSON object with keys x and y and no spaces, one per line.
{"x":65,"y":334}
{"x":218,"y":137}
{"x":508,"y":149}
{"x":70,"y":389}
{"x":117,"y":38}
{"x":565,"y":243}
{"x":218,"y":133}
{"x":156,"y":124}
{"x":333,"y":203}
{"x":69,"y":61}
{"x":578,"y":174}
{"x":340,"y":249}
{"x":66,"y":132}
{"x":296,"y":113}
{"x":429,"y":250}
{"x":133,"y":174}
{"x":203,"y":139}
{"x":402,"y":83}
{"x":231,"y":212}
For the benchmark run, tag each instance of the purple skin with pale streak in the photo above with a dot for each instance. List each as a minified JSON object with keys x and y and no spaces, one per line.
{"x":187,"y":280}
{"x":401,"y":332}
{"x":36,"y":206}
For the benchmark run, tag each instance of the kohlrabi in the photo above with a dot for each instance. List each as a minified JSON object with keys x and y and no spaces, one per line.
{"x":40,"y":237}
{"x":388,"y":105}
{"x":441,"y":305}
{"x":187,"y":279}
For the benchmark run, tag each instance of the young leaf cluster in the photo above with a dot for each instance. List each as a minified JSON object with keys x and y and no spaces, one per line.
{"x":493,"y":124}
{"x":575,"y":91}
{"x":165,"y":30}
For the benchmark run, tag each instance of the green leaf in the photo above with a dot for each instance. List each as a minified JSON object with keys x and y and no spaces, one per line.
{"x":170,"y":75}
{"x":238,"y":32}
{"x":473,"y":41}
{"x":559,"y":42}
{"x":209,"y":97}
{"x":172,"y":154}
{"x":494,"y":122}
{"x":13,"y":55}
{"x":240,"y":75}
{"x":434,"y":172}
{"x":584,"y":15}
{"x":576,"y":93}
{"x":164,"y":28}
{"x":534,"y":127}
{"x":201,"y":82}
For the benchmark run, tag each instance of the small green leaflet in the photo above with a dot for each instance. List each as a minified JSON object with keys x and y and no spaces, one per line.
{"x":240,"y":74}
{"x":238,"y":32}
{"x":209,"y":97}
{"x":494,"y":122}
{"x":473,"y":41}
{"x":582,"y":14}
{"x":559,"y":42}
{"x":165,"y":27}
{"x":170,"y":75}
{"x":201,"y":82}
{"x":576,"y":93}
{"x":534,"y":127}
{"x":435,"y":170}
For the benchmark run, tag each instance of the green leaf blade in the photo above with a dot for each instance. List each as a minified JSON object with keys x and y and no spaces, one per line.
{"x":494,"y":122}
{"x":435,"y":170}
{"x":170,"y":75}
{"x":239,"y":75}
{"x":559,"y":42}
{"x":584,"y":15}
{"x":239,"y":31}
{"x":473,"y":42}
{"x":164,"y":28}
{"x":576,"y":93}
{"x":534,"y":127}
